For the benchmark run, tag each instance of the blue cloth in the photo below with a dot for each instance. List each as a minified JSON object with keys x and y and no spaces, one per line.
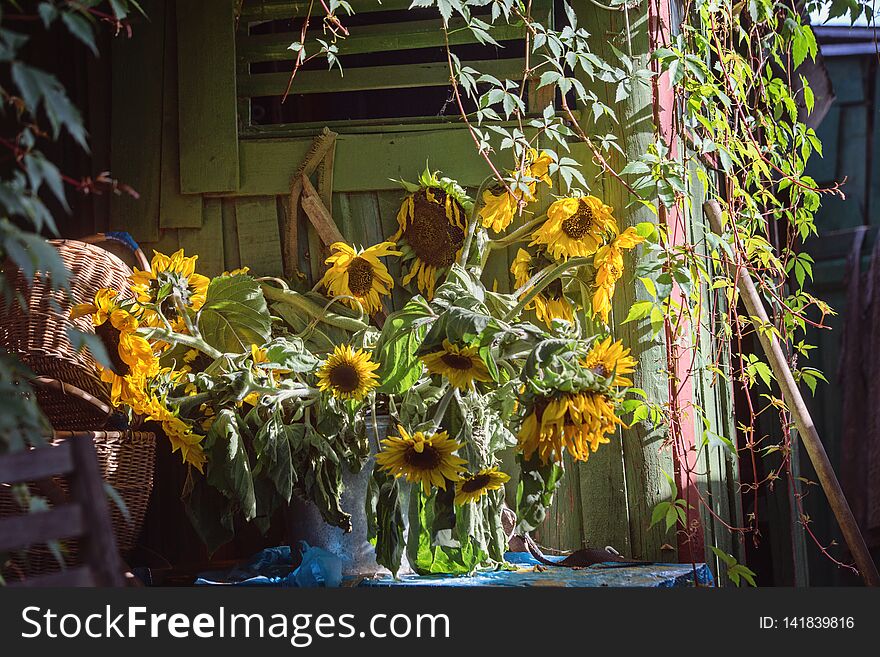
{"x":274,"y":567}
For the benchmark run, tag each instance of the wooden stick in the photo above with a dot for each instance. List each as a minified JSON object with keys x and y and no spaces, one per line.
{"x":319,"y":215}
{"x":804,"y":423}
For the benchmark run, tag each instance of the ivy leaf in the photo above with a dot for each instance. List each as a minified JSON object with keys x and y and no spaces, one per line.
{"x":80,"y":28}
{"x":234,"y":315}
{"x":40,"y":88}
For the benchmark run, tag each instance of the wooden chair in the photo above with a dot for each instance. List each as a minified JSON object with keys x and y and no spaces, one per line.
{"x":86,"y":516}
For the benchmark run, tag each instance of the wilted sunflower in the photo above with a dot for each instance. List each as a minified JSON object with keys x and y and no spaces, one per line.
{"x":538,"y":166}
{"x":460,"y":365}
{"x":179,"y":433}
{"x":607,"y":358}
{"x":550,"y":303}
{"x":178,"y":273}
{"x":428,"y":459}
{"x":608,"y":262}
{"x":359,"y":274}
{"x":348,"y":374}
{"x":498,"y":209}
{"x":500,"y":205}
{"x":578,"y":422}
{"x":131,"y":356}
{"x":473,"y":486}
{"x":432,"y":223}
{"x":575,"y":227}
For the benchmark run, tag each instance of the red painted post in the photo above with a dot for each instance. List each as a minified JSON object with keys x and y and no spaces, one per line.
{"x":680,"y":340}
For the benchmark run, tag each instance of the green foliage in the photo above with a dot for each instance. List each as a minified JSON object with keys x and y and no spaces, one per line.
{"x":385,"y":525}
{"x":39,"y":112}
{"x":737,"y":572}
{"x":537,"y":485}
{"x":234,"y":315}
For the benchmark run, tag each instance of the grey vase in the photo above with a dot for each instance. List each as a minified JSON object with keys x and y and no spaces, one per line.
{"x":304,"y":521}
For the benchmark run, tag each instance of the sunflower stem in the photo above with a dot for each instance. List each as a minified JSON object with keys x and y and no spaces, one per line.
{"x":544,"y":278}
{"x":187,"y":320}
{"x":472,"y":225}
{"x":518,"y":234}
{"x":442,"y":406}
{"x":303,"y":304}
{"x":187,"y":340}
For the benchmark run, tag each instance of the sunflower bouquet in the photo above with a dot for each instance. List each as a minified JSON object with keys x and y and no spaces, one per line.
{"x":266,"y":391}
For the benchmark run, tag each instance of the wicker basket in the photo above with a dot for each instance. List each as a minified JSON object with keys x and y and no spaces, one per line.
{"x":127,"y":460}
{"x":38,"y":333}
{"x":68,"y":388}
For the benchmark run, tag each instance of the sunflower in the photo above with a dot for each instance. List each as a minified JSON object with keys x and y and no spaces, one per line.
{"x":348,"y":374}
{"x":608,"y":262}
{"x":359,"y":276}
{"x":538,"y":166}
{"x":177,"y":272}
{"x":578,"y":422}
{"x":575,"y":227}
{"x":499,"y":208}
{"x":131,"y":357}
{"x":428,"y":459}
{"x":611,"y":359}
{"x":102,"y":308}
{"x":460,"y":365}
{"x":179,"y":433}
{"x":550,"y":303}
{"x":432,"y":222}
{"x":473,"y":486}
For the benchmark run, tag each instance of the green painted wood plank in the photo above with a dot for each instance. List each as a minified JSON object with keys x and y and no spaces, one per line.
{"x":259,"y":241}
{"x":270,"y":10}
{"x":563,"y":527}
{"x":136,"y":125}
{"x":383,"y":37}
{"x":231,"y":254}
{"x":363,"y":162}
{"x":166,"y":243}
{"x":176,"y":210}
{"x":646,"y":462}
{"x":389,"y":204}
{"x":208,"y":111}
{"x":399,"y":76}
{"x":207,"y":241}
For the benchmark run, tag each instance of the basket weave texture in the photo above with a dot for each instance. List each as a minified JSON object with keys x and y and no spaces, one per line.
{"x":127,"y":460}
{"x":38,"y":334}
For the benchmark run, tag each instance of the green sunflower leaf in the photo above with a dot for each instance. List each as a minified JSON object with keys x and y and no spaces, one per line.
{"x":234,"y":315}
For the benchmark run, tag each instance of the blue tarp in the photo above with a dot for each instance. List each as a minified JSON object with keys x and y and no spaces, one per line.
{"x":273,"y":567}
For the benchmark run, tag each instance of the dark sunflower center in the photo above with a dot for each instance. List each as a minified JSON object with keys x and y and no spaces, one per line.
{"x":109,"y":336}
{"x":428,"y":459}
{"x":580,"y":223}
{"x":430,"y":234}
{"x":360,"y":277}
{"x":345,"y":377}
{"x":479,"y":482}
{"x":601,"y":370}
{"x":457,"y":362}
